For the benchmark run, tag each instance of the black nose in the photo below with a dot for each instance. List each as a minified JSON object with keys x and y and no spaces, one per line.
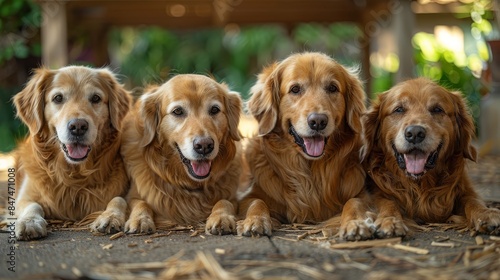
{"x":415,"y":134}
{"x":78,"y":127}
{"x":203,"y":145}
{"x":317,"y":121}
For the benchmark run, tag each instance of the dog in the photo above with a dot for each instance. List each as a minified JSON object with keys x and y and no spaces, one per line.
{"x":69,"y":166}
{"x":418,"y":139}
{"x":182,"y":154}
{"x":304,"y":163}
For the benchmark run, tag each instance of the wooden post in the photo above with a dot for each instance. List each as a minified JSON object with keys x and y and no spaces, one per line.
{"x":403,"y":25}
{"x":54,"y":34}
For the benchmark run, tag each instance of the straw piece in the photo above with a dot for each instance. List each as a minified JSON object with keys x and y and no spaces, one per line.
{"x":367,"y":244}
{"x":157,"y":235}
{"x":495,"y":238}
{"x":116,"y":235}
{"x":302,"y":236}
{"x":220,"y":251}
{"x":108,"y":246}
{"x":479,"y":240}
{"x":406,"y":248}
{"x":443,"y":244}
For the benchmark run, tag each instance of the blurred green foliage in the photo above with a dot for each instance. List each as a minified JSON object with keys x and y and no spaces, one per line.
{"x":19,"y":21}
{"x":458,"y":70}
{"x":19,"y":40}
{"x":11,"y":129}
{"x":233,"y":55}
{"x":447,"y":68}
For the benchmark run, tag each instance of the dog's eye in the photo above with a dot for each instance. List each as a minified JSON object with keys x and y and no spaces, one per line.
{"x":332,"y":88}
{"x":399,"y":109}
{"x":95,"y":99}
{"x":437,"y":110}
{"x":178,"y":111}
{"x":58,"y":99}
{"x":214,"y":110}
{"x":295,"y":89}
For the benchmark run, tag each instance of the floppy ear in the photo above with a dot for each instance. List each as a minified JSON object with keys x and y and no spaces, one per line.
{"x":233,"y":106}
{"x":464,"y":127}
{"x":263,"y":104}
{"x":371,"y":127}
{"x":149,"y":112}
{"x":119,"y":99}
{"x":355,"y":100}
{"x":30,"y":102}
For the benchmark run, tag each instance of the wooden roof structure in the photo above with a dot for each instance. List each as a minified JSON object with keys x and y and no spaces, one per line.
{"x":207,"y":13}
{"x":65,"y":18}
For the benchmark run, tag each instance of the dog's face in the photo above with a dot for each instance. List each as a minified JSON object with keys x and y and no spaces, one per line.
{"x":420,"y":124}
{"x":75,"y":105}
{"x":194,"y":116}
{"x":309,"y":96}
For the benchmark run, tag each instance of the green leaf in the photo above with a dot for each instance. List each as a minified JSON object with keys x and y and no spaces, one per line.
{"x":21,"y":51}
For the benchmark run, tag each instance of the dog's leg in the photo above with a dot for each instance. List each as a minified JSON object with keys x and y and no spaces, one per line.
{"x":222,"y":220}
{"x":141,"y":218}
{"x":257,"y":221}
{"x":356,"y":221}
{"x":389,"y":222}
{"x":30,"y":223}
{"x":113,"y":219}
{"x":481,"y":218}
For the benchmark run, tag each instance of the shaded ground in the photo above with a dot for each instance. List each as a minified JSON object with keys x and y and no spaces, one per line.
{"x":294,"y":252}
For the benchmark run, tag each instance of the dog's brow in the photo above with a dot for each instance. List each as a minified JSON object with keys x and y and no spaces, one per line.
{"x":57,"y":90}
{"x":179,"y":103}
{"x":216,"y":102}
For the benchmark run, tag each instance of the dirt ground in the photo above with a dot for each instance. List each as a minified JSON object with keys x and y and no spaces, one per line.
{"x":294,"y":251}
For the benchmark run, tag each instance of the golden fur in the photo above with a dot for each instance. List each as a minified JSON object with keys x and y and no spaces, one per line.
{"x":166,"y":122}
{"x":294,"y":183}
{"x":429,"y":129}
{"x":51,"y":183}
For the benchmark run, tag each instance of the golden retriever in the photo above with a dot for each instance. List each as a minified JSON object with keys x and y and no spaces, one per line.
{"x":418,"y":138}
{"x":181,"y":152}
{"x":70,"y":166}
{"x":305,"y":164}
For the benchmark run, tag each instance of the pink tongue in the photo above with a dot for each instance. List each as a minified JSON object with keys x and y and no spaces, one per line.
{"x":415,"y":162}
{"x":77,"y":151}
{"x":201,"y":168}
{"x":314,"y":145}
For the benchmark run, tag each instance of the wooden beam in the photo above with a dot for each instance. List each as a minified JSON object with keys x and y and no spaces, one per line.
{"x":203,"y":13}
{"x":54,"y":34}
{"x":403,"y":24}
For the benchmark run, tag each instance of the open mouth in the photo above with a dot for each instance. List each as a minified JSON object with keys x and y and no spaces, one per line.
{"x":76,"y":151}
{"x":416,"y":162}
{"x":198,"y":169}
{"x":313,"y":146}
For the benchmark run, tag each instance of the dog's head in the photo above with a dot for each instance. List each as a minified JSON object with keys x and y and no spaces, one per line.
{"x":194,"y":116}
{"x":420,"y":125}
{"x":75,"y":105}
{"x":307,"y":97}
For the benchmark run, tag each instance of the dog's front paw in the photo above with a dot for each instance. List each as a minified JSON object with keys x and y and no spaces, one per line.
{"x":357,"y":230}
{"x":140,"y":224}
{"x":487,"y":221}
{"x":29,"y":228}
{"x":113,"y":219}
{"x":390,"y":227}
{"x":255,"y":226}
{"x":108,"y":222}
{"x":220,"y":224}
